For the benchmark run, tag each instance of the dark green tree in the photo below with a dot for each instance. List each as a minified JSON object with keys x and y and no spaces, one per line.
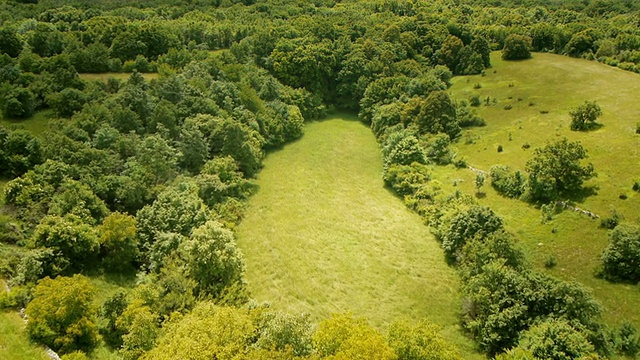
{"x":10,"y":43}
{"x":476,"y":222}
{"x":556,"y":170}
{"x":74,"y":243}
{"x":176,"y":210}
{"x":194,"y":150}
{"x":66,"y":102}
{"x":434,"y":114}
{"x":448,"y":55}
{"x":585,"y":115}
{"x":481,"y":46}
{"x":17,"y":103}
{"x":516,"y":47}
{"x":621,"y":258}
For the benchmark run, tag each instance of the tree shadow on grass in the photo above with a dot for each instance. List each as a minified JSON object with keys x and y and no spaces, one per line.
{"x":581,"y":195}
{"x":123,"y":277}
{"x":590,"y":127}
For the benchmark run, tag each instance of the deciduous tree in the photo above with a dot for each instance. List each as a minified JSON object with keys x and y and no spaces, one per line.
{"x":585,"y":115}
{"x":61,"y":314}
{"x":516,"y":47}
{"x":556,"y":170}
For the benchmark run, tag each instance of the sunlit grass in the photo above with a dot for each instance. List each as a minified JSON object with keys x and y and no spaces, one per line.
{"x":322,"y":235}
{"x":14,"y":343}
{"x":119,"y":76}
{"x":556,"y":84}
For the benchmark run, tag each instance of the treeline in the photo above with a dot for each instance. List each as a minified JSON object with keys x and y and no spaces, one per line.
{"x":151,"y":176}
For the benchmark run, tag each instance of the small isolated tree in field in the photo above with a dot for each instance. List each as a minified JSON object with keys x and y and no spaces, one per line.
{"x":478,"y":182}
{"x":516,"y":47}
{"x":556,"y":170}
{"x":61,"y":314}
{"x":584,"y":116}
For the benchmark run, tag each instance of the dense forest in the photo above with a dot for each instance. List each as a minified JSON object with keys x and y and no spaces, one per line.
{"x":146,"y":175}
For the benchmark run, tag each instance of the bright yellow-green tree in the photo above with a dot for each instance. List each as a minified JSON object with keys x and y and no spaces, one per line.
{"x":62,"y":314}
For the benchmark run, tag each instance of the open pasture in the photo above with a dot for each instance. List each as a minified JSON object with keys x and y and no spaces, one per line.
{"x":540,"y":93}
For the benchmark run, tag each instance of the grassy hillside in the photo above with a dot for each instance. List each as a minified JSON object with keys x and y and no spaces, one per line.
{"x":555,"y":84}
{"x":323,"y":235}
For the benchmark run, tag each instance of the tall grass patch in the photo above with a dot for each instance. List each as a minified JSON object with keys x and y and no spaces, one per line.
{"x":322,"y":235}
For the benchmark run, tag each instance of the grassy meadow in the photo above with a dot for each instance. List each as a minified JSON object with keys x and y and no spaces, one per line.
{"x":541,"y":92}
{"x":322,"y":235}
{"x":37,"y":124}
{"x":120,"y":76}
{"x":14,"y":342}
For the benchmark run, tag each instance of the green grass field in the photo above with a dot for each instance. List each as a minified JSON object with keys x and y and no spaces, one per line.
{"x":557,"y":84}
{"x":322,"y":235}
{"x":37,"y":124}
{"x":14,"y":343}
{"x":119,"y":76}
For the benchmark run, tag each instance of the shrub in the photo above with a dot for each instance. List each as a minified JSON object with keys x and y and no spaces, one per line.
{"x":10,"y":232}
{"x":479,"y":252}
{"x":506,"y":182}
{"x":467,"y":116}
{"x":556,"y":340}
{"x":18,"y":298}
{"x":628,"y":340}
{"x":475,"y":102}
{"x":343,"y":337}
{"x":280,"y":331}
{"x":76,"y":355}
{"x":477,"y":221}
{"x":501,"y":302}
{"x":556,"y":170}
{"x":61,"y":314}
{"x":420,"y":342}
{"x":407,"y":179}
{"x":500,"y":148}
{"x":612,"y":221}
{"x":550,"y":262}
{"x":636,"y":186}
{"x":460,"y":163}
{"x":621,"y":258}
